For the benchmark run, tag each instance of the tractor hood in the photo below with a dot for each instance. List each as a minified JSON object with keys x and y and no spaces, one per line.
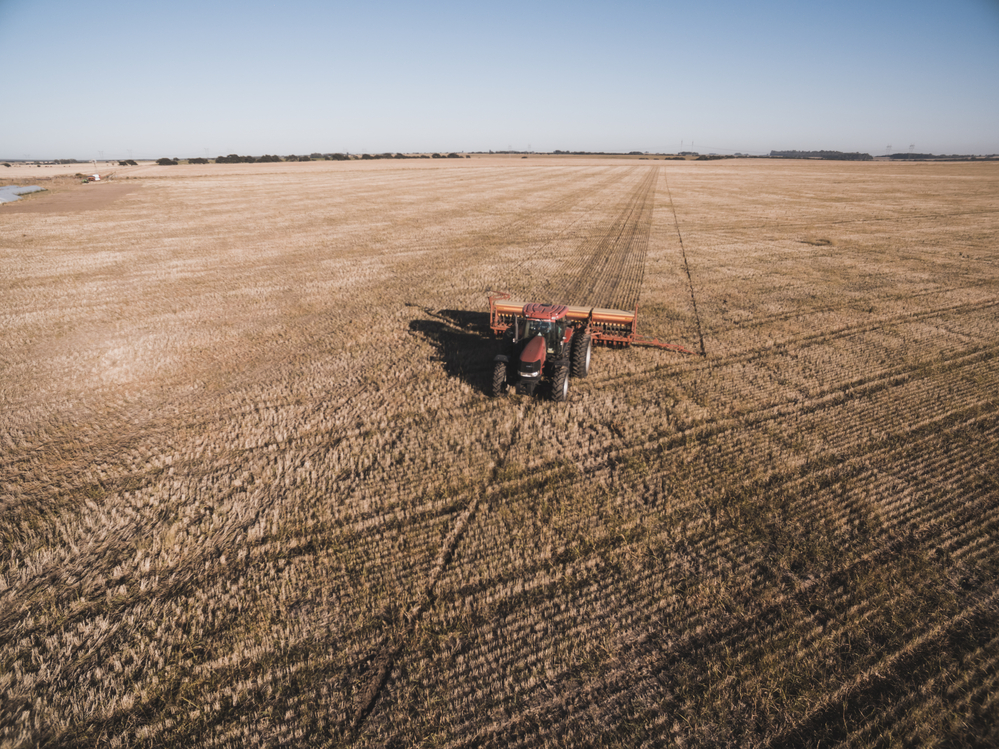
{"x":532,"y":358}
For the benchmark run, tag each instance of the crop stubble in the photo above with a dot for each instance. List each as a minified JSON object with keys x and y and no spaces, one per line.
{"x":253,"y":490}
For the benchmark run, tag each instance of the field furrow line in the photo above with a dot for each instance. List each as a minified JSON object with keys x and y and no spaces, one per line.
{"x":711,"y":432}
{"x":855,"y":613}
{"x":707,"y":367}
{"x":648,"y":658}
{"x":613,"y":286}
{"x":483,"y":244}
{"x":393,"y":647}
{"x":803,"y":310}
{"x":832,"y":509}
{"x":832,"y":707}
{"x":943,"y":693}
{"x":596,"y":278}
{"x":811,"y":226}
{"x":686,"y":269}
{"x":838,"y":394}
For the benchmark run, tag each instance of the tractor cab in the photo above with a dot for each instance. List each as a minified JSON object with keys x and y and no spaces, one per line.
{"x":549,"y":321}
{"x":553,"y":332}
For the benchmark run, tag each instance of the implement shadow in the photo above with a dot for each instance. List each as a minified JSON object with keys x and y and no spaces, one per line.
{"x":463,"y":343}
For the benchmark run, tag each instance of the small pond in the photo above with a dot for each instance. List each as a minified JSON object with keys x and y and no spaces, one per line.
{"x":10,"y":193}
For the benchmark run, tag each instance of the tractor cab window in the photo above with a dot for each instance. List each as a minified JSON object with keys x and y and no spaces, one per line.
{"x":539,"y":327}
{"x":553,"y":332}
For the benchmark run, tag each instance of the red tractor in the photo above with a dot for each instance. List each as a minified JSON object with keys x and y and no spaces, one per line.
{"x":542,"y":344}
{"x":551,"y":341}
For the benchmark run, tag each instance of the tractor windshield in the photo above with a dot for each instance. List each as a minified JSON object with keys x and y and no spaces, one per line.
{"x":553,"y":332}
{"x":538,"y":327}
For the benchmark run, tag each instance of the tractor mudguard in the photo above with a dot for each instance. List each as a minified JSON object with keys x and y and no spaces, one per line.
{"x":502,"y":357}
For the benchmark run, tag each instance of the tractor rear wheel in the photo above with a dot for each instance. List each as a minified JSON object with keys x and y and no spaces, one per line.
{"x":582,"y":347}
{"x":500,"y":384}
{"x":560,"y":384}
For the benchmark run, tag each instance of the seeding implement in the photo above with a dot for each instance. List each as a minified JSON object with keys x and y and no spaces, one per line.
{"x":548,"y":341}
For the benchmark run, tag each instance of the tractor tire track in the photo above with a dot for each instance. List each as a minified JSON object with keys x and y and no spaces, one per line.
{"x":686,"y":269}
{"x":606,"y":276}
{"x":616,"y":286}
{"x":558,"y":206}
{"x":557,"y":209}
{"x":393,"y":646}
{"x":484,"y":244}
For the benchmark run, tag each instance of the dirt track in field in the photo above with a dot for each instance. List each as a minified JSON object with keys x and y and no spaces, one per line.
{"x":612,"y":268}
{"x":603,"y":264}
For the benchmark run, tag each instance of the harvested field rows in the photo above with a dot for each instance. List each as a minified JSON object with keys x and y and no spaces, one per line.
{"x":609,"y":273}
{"x":252,"y":490}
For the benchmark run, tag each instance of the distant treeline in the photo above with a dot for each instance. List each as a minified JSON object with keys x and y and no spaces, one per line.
{"x":585,"y":153}
{"x":235,"y":158}
{"x":39,"y":162}
{"x":833,"y":155}
{"x":367,"y":156}
{"x":935,"y":157}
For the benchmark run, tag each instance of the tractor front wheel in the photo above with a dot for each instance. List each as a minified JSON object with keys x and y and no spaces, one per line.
{"x":560,"y":384}
{"x":500,"y":383}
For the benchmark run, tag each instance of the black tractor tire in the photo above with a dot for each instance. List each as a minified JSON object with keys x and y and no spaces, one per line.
{"x":560,"y":384}
{"x":500,"y":384}
{"x":582,"y":348}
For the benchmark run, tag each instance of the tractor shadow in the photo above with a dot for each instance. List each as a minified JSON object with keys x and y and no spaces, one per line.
{"x":463,"y":344}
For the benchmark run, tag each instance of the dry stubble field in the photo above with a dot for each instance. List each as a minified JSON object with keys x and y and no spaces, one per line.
{"x":252,"y":491}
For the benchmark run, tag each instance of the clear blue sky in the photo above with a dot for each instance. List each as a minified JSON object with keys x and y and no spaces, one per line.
{"x":183,"y":78}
